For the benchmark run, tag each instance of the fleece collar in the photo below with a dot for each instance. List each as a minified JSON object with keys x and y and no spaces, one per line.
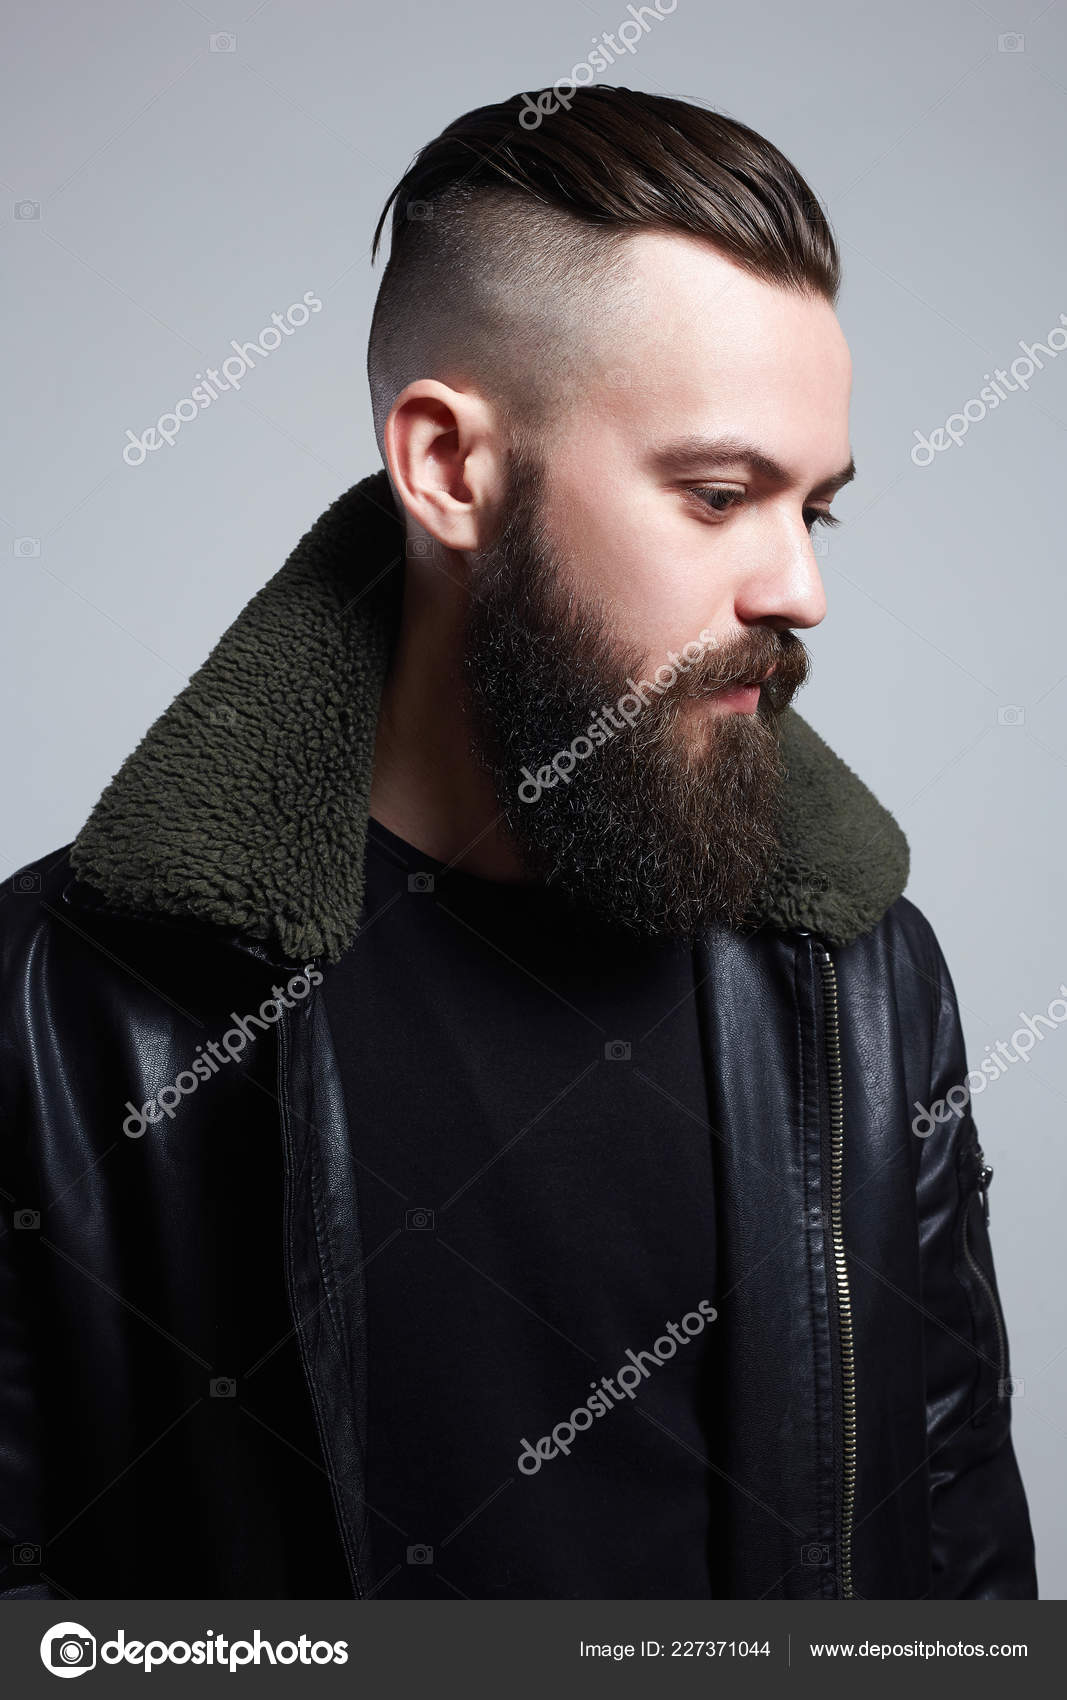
{"x":245,"y":805}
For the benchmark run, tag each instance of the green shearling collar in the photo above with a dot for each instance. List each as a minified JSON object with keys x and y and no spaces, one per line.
{"x":245,"y":805}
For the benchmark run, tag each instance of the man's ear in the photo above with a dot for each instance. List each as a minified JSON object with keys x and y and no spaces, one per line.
{"x":442,"y":451}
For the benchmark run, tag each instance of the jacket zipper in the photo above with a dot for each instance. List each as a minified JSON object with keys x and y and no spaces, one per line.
{"x":985,"y":1175}
{"x":844,"y":1300}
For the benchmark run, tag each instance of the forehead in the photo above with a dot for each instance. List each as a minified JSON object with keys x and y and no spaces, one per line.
{"x":696,"y":342}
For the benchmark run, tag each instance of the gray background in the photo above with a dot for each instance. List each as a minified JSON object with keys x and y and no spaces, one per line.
{"x":186,"y":193}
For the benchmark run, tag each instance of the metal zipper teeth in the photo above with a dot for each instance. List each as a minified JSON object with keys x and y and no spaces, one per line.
{"x":1002,"y":1344}
{"x":844,"y":1298}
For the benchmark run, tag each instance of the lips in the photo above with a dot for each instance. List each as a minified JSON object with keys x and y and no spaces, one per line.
{"x":748,"y":683}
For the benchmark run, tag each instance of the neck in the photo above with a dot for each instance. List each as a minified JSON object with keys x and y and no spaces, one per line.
{"x":427,"y":786}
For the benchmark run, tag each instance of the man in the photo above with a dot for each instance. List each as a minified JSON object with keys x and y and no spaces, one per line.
{"x":461,"y":1084}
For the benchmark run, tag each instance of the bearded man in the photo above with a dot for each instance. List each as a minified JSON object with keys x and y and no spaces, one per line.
{"x":460,"y":1084}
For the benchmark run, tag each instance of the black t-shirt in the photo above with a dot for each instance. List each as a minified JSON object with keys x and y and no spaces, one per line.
{"x":526,"y":1088}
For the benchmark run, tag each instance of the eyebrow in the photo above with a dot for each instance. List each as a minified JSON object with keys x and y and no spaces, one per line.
{"x":690,"y":454}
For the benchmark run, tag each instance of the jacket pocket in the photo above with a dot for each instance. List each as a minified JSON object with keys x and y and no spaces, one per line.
{"x":991,"y":1386}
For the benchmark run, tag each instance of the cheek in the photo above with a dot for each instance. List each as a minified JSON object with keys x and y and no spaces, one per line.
{"x":661,"y":583}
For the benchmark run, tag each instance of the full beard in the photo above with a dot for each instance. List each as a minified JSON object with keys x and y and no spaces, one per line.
{"x":671,"y":823}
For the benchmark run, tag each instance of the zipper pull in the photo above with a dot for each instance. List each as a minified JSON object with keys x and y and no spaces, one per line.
{"x":985,"y":1175}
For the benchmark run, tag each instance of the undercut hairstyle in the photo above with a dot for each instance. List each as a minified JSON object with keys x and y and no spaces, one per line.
{"x":507,"y":258}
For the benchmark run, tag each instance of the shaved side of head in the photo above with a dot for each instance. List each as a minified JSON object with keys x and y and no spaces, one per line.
{"x":504,"y":294}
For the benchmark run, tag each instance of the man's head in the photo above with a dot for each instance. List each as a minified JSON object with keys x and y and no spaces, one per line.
{"x":612,"y":395}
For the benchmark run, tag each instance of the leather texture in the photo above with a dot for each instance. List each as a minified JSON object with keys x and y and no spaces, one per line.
{"x":223,"y":1247}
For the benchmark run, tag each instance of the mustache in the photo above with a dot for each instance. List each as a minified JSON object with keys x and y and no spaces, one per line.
{"x":777,"y":661}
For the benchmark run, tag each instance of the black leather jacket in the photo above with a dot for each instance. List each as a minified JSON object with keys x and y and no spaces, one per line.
{"x":182,"y":1358}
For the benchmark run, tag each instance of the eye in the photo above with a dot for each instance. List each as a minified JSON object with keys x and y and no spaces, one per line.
{"x":721,"y":498}
{"x":819,"y":516}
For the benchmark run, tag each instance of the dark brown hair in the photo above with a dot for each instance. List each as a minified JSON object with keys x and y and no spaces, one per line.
{"x":501,"y":220}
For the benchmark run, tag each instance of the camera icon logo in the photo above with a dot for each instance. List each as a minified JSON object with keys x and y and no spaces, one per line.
{"x":419,"y":1221}
{"x":617,"y":1050}
{"x":68,"y":1649}
{"x":420,"y":211}
{"x":420,"y":882}
{"x":222,"y":1387}
{"x":419,"y":548}
{"x":224,"y":42}
{"x":27,"y":209}
{"x":420,"y":1554}
{"x":1011,"y":43}
{"x":25,"y":1552}
{"x":815,"y":1552}
{"x":26,"y":882}
{"x":1011,"y":714}
{"x":27,"y":1218}
{"x":26,"y":548}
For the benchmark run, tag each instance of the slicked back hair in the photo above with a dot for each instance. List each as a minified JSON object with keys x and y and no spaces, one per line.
{"x":508,"y":237}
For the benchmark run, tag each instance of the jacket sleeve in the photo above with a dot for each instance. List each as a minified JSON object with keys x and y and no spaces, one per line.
{"x":981,"y":1541}
{"x":23,"y":1563}
{"x":20,"y":1507}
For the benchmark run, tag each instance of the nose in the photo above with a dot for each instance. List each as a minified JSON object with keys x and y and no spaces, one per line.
{"x":780,"y":584}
